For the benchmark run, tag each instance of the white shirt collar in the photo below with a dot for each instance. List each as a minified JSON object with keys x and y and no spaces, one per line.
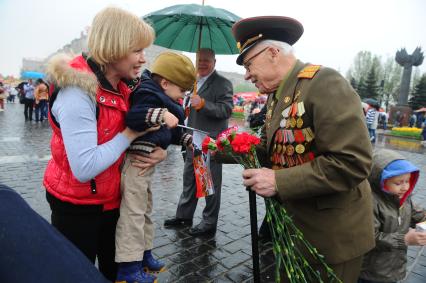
{"x":202,"y":80}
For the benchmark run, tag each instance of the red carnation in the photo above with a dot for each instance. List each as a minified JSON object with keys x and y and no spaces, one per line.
{"x":208,"y":144}
{"x":242,"y":142}
{"x":205,"y":144}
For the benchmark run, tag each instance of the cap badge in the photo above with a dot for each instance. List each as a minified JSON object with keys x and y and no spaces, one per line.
{"x":248,"y":41}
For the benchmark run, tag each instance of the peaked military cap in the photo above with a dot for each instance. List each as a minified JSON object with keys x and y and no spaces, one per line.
{"x":249,"y":31}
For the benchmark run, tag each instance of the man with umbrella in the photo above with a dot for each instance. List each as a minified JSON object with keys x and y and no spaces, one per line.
{"x":317,"y":143}
{"x":209,"y":111}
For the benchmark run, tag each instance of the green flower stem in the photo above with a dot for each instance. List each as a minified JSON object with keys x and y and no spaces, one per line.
{"x":286,"y":237}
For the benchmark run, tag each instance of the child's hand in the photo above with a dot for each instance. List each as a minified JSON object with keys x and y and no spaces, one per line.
{"x":413,"y":238}
{"x":170,"y":120}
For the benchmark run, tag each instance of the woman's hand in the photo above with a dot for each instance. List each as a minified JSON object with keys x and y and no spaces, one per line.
{"x":132,"y":135}
{"x":170,"y":120}
{"x":149,"y":160}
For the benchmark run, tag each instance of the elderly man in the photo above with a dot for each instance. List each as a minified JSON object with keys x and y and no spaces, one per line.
{"x":209,"y":111}
{"x":316,"y":141}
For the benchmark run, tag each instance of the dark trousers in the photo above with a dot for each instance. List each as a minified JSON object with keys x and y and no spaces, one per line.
{"x":32,"y":250}
{"x":28,"y":109}
{"x":369,"y":281}
{"x":39,"y":110}
{"x":188,"y":201}
{"x":90,"y":229}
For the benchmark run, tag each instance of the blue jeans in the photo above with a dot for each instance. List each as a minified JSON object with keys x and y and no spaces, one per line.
{"x":40,"y":110}
{"x":372,"y":133}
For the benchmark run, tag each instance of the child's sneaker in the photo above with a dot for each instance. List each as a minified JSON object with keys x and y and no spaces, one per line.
{"x":150,"y":264}
{"x":131,"y":272}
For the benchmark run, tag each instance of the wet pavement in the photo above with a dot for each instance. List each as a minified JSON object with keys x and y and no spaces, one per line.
{"x":225,"y":257}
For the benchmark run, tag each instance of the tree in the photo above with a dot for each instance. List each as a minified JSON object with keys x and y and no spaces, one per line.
{"x":361,"y":88}
{"x":371,"y":85}
{"x":391,"y":81}
{"x":361,"y":65}
{"x":418,"y":100}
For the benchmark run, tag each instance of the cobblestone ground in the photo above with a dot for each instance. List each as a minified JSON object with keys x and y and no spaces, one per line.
{"x":225,"y":257}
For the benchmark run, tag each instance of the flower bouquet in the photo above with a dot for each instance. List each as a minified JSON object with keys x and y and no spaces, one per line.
{"x":288,"y":241}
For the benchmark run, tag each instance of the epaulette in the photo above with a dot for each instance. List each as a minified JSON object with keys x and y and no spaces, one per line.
{"x":308,"y":72}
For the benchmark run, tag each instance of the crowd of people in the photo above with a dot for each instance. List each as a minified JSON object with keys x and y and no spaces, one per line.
{"x":34,"y":96}
{"x":111,"y":127}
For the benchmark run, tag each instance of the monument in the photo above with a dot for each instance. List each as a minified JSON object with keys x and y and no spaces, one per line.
{"x":401,"y":111}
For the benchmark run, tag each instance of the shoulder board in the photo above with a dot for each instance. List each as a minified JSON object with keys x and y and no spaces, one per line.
{"x":308,"y":72}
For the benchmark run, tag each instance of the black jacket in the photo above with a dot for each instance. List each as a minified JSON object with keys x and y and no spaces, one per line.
{"x":146,"y":97}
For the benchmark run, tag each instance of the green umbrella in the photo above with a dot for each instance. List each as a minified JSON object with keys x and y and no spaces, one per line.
{"x":180,"y":27}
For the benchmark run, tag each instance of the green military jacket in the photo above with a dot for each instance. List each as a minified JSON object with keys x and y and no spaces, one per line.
{"x":322,"y":183}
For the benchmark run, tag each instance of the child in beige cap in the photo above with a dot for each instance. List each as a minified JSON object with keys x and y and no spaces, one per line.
{"x":153,"y":103}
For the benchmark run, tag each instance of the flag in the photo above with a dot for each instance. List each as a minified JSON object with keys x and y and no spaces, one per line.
{"x":201,"y":161}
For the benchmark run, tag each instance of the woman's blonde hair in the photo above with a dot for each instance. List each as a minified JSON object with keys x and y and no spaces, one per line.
{"x":115,"y":33}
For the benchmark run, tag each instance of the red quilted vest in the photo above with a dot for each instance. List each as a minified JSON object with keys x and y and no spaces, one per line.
{"x":104,"y":188}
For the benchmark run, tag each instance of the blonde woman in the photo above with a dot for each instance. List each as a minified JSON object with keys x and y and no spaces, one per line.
{"x":87,"y":112}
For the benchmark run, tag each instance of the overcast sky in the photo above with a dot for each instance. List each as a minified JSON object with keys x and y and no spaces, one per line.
{"x":335,"y":30}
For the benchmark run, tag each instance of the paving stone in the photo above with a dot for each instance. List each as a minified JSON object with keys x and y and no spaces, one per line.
{"x":213,"y":270}
{"x":224,"y":257}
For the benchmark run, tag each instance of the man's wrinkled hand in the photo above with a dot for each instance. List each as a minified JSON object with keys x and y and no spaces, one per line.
{"x":261,"y":181}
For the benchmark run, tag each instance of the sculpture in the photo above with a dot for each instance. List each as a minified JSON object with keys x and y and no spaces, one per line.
{"x":407,"y":62}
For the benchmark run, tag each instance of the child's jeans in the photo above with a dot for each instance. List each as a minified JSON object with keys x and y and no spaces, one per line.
{"x":135,"y":229}
{"x":372,"y":133}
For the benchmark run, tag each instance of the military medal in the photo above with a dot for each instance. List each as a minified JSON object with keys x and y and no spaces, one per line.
{"x":285,"y":112}
{"x":299,"y":122}
{"x":289,"y":150}
{"x":282,"y":123}
{"x":300,"y":112}
{"x":292,"y":122}
{"x":308,"y":133}
{"x":292,"y":114}
{"x":286,"y":99}
{"x":290,"y":136}
{"x":279,"y":148}
{"x":299,"y":138}
{"x":287,"y":123}
{"x":283,"y":149}
{"x":300,"y":148}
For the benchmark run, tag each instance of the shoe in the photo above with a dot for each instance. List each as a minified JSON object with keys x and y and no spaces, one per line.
{"x":200,"y":231}
{"x":177,"y":222}
{"x":131,"y":272}
{"x":151,"y":265}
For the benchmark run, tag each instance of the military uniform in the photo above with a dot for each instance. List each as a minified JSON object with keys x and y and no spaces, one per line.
{"x":322,"y":182}
{"x":316,"y":139}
